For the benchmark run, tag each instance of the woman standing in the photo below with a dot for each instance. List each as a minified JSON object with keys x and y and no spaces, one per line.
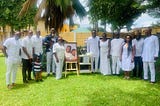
{"x":59,"y":52}
{"x":105,"y":68}
{"x":127,"y":56}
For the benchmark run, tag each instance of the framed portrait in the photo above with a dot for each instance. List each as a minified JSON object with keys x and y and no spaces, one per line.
{"x":71,"y":51}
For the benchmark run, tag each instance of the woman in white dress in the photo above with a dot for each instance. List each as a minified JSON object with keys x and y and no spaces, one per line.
{"x":127,"y":56}
{"x":59,"y":53}
{"x":105,"y":68}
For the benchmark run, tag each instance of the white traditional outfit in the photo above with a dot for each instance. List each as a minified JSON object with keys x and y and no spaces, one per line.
{"x":60,"y":51}
{"x":93,"y":49}
{"x":150,"y":50}
{"x":116,"y":45}
{"x":13,"y":60}
{"x":105,"y":68}
{"x":127,"y":64}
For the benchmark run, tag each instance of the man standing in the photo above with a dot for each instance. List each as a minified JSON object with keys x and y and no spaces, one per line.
{"x":138,"y":42}
{"x":116,"y":45}
{"x":93,"y":49}
{"x":27,"y":56}
{"x":48,"y":42}
{"x":150,"y":54}
{"x":11,"y":50}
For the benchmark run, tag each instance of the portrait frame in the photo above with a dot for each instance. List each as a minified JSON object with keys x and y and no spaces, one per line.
{"x":71,"y":51}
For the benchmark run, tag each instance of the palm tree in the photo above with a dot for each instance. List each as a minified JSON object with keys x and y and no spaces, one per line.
{"x":56,"y":11}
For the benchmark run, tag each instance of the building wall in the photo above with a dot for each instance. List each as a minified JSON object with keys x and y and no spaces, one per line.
{"x":80,"y":38}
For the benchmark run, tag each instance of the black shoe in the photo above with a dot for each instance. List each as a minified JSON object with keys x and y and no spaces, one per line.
{"x":152,"y":82}
{"x":30,"y":79}
{"x":48,"y":75}
{"x":145,"y":79}
{"x":41,"y":80}
{"x":53,"y":74}
{"x":25,"y":81}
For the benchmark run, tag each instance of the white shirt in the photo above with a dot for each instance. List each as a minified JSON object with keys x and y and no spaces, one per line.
{"x":138,"y":46}
{"x":13,"y":49}
{"x":27,"y":43}
{"x":116,"y":45}
{"x":93,"y":46}
{"x":37,"y":44}
{"x":150,"y":48}
{"x":59,"y":49}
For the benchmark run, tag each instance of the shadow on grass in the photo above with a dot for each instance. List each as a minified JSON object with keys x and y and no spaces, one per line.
{"x":74,"y":73}
{"x":19,"y":86}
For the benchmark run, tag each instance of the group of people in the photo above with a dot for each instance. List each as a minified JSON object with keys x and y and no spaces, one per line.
{"x":131,"y":53}
{"x":115,"y":54}
{"x":28,"y":52}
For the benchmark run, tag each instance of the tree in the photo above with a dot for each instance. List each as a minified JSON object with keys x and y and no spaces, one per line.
{"x":9,"y":10}
{"x":56,"y":11}
{"x":118,"y":13}
{"x":153,"y":7}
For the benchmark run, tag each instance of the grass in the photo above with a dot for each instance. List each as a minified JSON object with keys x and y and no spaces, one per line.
{"x":84,"y":90}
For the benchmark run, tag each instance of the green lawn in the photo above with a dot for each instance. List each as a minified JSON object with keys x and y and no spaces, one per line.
{"x":84,"y":90}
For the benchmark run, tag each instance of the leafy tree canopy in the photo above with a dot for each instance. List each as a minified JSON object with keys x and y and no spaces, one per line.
{"x":9,"y":10}
{"x":118,"y":13}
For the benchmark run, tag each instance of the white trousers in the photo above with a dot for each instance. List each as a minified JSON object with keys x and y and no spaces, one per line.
{"x":53,"y":65}
{"x":94,"y":64}
{"x":49,"y":61}
{"x":115,"y":65}
{"x":151,"y":66}
{"x":59,"y":68}
{"x":12,"y":68}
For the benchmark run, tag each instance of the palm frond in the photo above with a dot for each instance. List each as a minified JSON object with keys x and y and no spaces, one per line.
{"x":42,"y":7}
{"x":80,"y":10}
{"x":28,"y":4}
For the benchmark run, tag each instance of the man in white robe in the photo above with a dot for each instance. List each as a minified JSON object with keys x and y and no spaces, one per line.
{"x":150,"y":54}
{"x":11,"y":50}
{"x":93,"y":49}
{"x":116,"y":45}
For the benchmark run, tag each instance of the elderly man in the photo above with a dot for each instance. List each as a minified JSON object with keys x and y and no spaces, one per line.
{"x":48,"y":42}
{"x":150,"y":54}
{"x":27,"y":56}
{"x":11,"y":50}
{"x":93,"y":49}
{"x":116,"y":45}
